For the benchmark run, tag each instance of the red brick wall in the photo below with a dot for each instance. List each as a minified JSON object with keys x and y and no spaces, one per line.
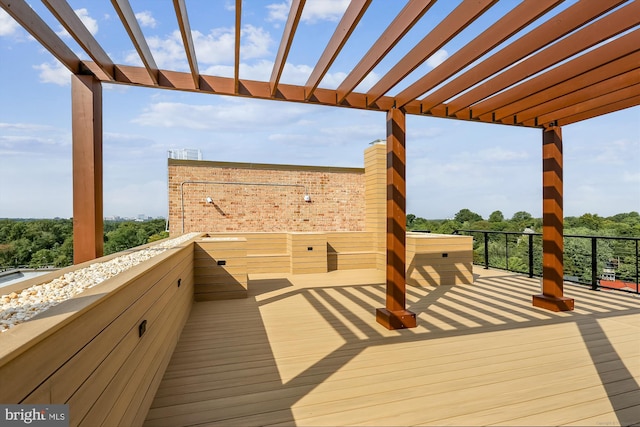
{"x":337,"y":197}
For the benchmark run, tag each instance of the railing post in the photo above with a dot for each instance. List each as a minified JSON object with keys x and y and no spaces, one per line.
{"x":637,"y":269}
{"x":530,"y":255}
{"x":486,"y":250}
{"x":594,"y":263}
{"x":506,"y":251}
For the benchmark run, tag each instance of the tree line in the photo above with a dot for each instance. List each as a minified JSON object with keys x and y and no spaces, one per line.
{"x":511,"y":252}
{"x":49,"y":242}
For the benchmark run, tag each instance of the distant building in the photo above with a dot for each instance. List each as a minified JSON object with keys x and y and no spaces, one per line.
{"x":185,"y":154}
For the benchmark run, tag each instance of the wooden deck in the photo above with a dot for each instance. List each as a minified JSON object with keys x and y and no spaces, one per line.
{"x":306,"y":350}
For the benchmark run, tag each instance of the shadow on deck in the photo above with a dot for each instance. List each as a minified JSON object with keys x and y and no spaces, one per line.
{"x":306,"y":350}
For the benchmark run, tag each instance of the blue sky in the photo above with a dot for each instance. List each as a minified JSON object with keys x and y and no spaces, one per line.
{"x":451,"y":164}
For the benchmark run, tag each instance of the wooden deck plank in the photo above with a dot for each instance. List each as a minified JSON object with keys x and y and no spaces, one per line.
{"x":307,"y":351}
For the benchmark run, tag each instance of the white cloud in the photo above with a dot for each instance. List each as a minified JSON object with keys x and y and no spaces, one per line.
{"x":8,"y":25}
{"x":234,"y":115}
{"x":368,"y":82}
{"x":324,"y":10}
{"x":55,"y":73}
{"x":437,"y":58}
{"x":314,"y":10}
{"x":168,"y":52}
{"x":278,"y":11}
{"x":146,"y":19}
{"x":213,"y":49}
{"x":256,"y":42}
{"x":87,"y":20}
{"x":217,"y":47}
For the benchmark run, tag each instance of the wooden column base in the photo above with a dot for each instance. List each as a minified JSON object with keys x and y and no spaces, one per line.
{"x":553,"y":303}
{"x":400,"y":319}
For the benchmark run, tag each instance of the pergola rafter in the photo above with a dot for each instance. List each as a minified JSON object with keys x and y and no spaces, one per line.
{"x":507,"y":26}
{"x":346,"y":26}
{"x":74,"y":26}
{"x":572,"y":64}
{"x":471,"y":84}
{"x":31,"y":21}
{"x":548,"y":32}
{"x":448,"y":28}
{"x":573,"y":44}
{"x":285,"y":44}
{"x":406,"y":19}
{"x":128,"y":18}
{"x":618,"y":56}
{"x":187,"y":39}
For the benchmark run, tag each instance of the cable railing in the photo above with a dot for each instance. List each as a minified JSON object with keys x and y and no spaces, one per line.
{"x":601,"y":262}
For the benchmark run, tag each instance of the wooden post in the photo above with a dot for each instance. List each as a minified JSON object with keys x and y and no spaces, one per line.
{"x":395,"y":315}
{"x":552,"y":225}
{"x":86,"y":101}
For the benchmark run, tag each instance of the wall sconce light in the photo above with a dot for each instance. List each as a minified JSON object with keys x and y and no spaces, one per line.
{"x":307,"y":198}
{"x":209,"y":200}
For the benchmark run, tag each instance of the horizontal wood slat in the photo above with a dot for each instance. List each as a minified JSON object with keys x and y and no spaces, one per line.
{"x":481,"y":354}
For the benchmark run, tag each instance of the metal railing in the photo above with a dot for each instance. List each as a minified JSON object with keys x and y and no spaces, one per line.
{"x":601,"y":262}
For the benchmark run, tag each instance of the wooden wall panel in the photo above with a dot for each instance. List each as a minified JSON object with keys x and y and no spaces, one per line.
{"x":93,"y":358}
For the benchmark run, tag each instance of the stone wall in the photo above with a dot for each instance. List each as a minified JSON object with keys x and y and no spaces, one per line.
{"x":260,"y":197}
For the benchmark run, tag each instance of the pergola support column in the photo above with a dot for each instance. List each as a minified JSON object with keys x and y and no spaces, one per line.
{"x":395,"y":315}
{"x":552,"y":297}
{"x":86,"y":101}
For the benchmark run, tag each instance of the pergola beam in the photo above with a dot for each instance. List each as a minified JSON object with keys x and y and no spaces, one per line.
{"x":30,"y":21}
{"x":508,"y":25}
{"x":285,"y":44}
{"x":260,"y":90}
{"x":548,"y":32}
{"x":187,"y":40}
{"x":128,"y":18}
{"x":406,"y":19}
{"x":340,"y":36}
{"x":459,"y":19}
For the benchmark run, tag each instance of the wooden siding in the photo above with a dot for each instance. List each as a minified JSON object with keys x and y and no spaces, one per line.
{"x":436,"y":259}
{"x":308,"y":252}
{"x":87,"y":351}
{"x":220,"y":268}
{"x":306,"y":350}
{"x":375,"y":164}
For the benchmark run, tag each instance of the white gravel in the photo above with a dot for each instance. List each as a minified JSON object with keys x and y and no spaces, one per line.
{"x":18,"y":307}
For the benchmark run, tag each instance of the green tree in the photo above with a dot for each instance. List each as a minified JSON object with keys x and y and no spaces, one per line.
{"x":521,"y":217}
{"x":465,"y":215}
{"x":410,"y":219}
{"x":42,"y":258}
{"x":496,"y":216}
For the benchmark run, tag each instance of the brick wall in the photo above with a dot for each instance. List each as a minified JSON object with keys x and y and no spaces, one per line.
{"x":269,"y":198}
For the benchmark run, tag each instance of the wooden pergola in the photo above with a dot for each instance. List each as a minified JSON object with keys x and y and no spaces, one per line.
{"x":574,"y":64}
